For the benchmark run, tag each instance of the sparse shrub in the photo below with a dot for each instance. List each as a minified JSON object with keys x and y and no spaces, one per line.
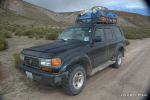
{"x":33,"y":32}
{"x":136,"y":33}
{"x":51,"y":36}
{"x":28,"y":32}
{"x":8,"y":34}
{"x":40,"y":36}
{"x":30,"y":36}
{"x":3,"y":44}
{"x":127,"y":42}
{"x":37,"y":37}
{"x":18,"y":32}
{"x":5,"y":33}
{"x":17,"y":59}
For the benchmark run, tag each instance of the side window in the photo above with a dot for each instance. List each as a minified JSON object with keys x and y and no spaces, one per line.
{"x":117,"y":32}
{"x":100,"y":33}
{"x":109,"y":35}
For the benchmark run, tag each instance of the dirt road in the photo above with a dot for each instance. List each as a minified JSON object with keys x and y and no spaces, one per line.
{"x":133,"y":78}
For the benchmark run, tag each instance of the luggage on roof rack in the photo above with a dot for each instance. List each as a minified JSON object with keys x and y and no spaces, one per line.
{"x":99,"y":8}
{"x":97,"y":15}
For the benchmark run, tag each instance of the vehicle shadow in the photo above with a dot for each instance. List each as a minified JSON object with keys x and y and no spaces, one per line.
{"x":42,"y":87}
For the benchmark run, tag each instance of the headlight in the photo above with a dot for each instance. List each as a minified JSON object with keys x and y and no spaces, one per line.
{"x":45,"y":62}
{"x":22,"y":57}
{"x":52,"y":63}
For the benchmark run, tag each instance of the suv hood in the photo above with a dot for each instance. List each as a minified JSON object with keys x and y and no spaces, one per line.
{"x":56,"y":47}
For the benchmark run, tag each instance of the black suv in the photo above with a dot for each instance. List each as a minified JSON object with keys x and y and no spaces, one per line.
{"x":80,"y":51}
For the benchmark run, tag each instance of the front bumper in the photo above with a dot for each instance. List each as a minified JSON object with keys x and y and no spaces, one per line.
{"x":40,"y":76}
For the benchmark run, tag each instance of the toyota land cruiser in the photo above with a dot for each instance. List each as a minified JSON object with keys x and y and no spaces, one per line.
{"x":79,"y":51}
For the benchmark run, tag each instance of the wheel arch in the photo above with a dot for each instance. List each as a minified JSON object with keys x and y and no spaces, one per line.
{"x":121,"y":48}
{"x":84,"y":61}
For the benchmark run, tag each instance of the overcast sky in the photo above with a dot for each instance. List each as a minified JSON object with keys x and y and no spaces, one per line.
{"x":76,"y":5}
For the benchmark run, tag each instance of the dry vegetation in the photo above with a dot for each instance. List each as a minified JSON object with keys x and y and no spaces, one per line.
{"x":8,"y":30}
{"x":3,"y":44}
{"x":137,"y":33}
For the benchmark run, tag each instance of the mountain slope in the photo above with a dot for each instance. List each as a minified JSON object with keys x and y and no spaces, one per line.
{"x":134,"y":19}
{"x":38,"y":15}
{"x":34,"y":13}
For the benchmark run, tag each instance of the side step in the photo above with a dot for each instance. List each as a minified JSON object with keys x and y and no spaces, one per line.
{"x":101,"y":67}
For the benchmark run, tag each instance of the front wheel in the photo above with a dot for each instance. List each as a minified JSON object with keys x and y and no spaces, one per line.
{"x":76,"y":80}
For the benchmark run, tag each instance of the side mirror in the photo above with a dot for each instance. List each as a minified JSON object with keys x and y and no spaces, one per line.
{"x":97,"y":39}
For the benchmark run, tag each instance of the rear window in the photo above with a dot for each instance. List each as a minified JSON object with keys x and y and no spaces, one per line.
{"x":109,"y":35}
{"x":117,"y":32}
{"x":100,"y":33}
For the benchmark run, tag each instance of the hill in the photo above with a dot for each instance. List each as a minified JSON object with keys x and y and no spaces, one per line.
{"x":21,"y":12}
{"x":13,"y":10}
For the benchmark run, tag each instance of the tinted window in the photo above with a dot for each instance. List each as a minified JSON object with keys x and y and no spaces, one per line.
{"x":117,"y":32}
{"x":100,"y":33}
{"x":108,"y":33}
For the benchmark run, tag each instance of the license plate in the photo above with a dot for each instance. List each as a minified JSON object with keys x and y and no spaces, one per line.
{"x":29,"y":75}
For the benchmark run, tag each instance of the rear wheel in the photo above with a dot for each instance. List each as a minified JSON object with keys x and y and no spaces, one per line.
{"x":76,"y":80}
{"x":119,"y":60}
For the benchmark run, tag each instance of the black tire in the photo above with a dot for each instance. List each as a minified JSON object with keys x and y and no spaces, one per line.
{"x":119,"y":60}
{"x":68,"y":84}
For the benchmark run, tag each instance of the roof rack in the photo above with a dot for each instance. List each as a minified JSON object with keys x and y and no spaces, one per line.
{"x":97,"y":15}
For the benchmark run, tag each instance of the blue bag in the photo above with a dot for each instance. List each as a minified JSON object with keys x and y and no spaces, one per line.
{"x":97,"y":15}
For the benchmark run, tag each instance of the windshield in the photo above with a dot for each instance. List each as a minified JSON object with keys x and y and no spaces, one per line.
{"x":75,"y":33}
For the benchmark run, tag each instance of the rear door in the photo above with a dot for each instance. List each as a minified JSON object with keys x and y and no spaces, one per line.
{"x":111,"y":42}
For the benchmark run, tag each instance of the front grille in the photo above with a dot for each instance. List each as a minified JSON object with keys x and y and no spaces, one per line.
{"x":31,"y":62}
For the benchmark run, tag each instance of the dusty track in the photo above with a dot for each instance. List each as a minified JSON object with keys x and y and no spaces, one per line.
{"x":110,"y":84}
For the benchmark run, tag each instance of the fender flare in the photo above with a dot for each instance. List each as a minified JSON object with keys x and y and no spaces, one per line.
{"x":118,"y":47}
{"x":78,"y":59}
